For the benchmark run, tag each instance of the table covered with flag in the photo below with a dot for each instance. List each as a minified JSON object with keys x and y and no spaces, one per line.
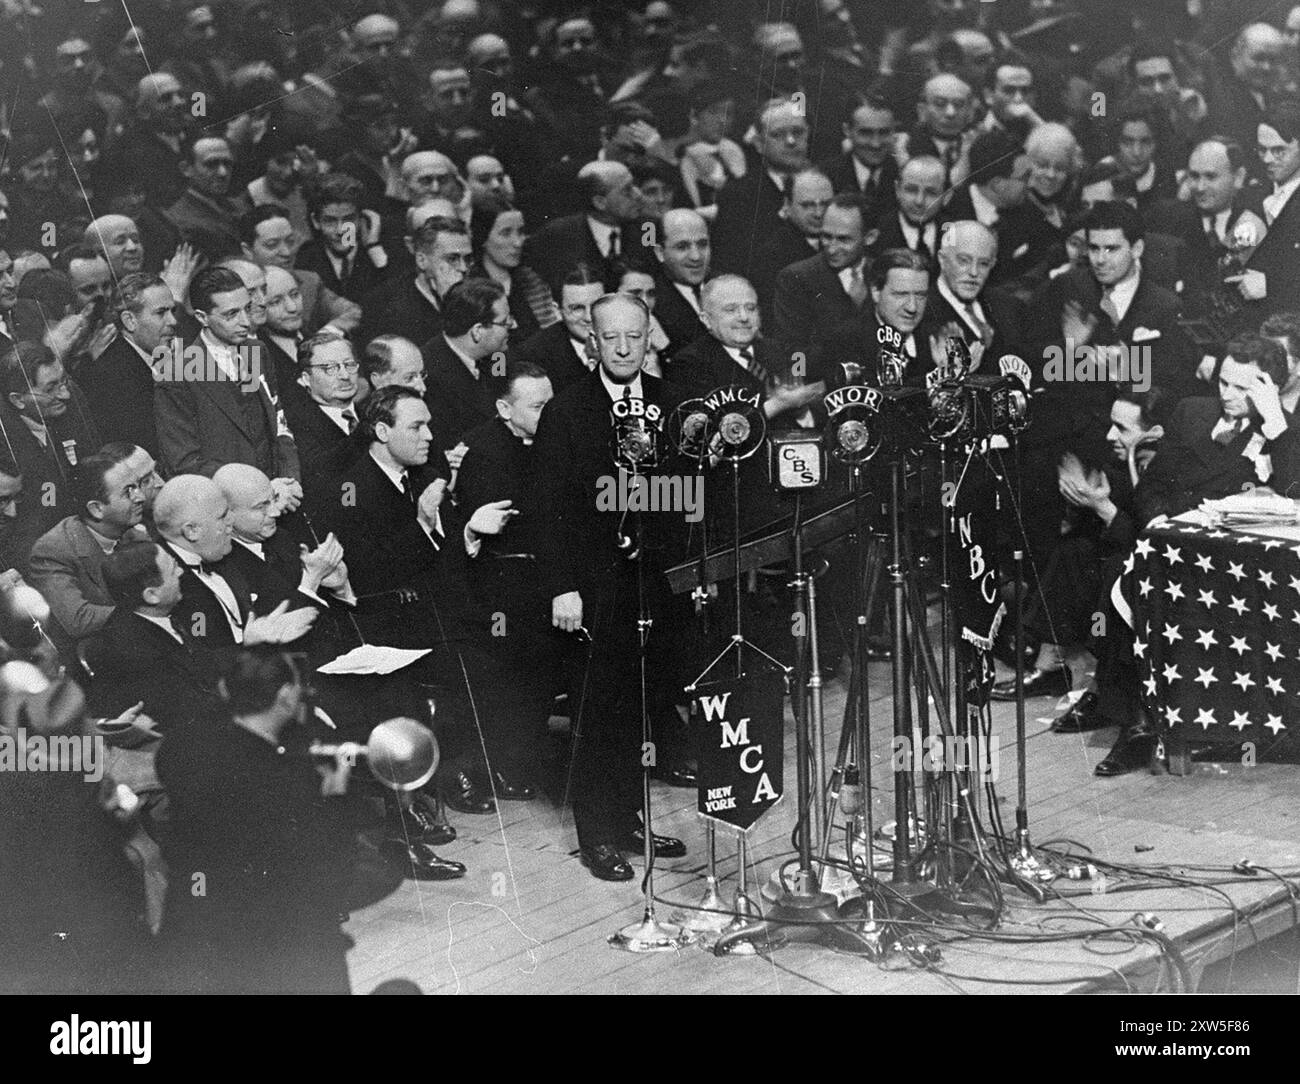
{"x":1215,"y":616}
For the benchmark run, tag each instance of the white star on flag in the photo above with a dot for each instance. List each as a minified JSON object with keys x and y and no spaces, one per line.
{"x":1171,"y":633}
{"x":1274,"y":686}
{"x":1271,"y":543}
{"x":1207,"y":599}
{"x":1240,"y":720}
{"x":1189,"y":530}
{"x":1275,"y":723}
{"x":1270,"y":611}
{"x":1139,"y":649}
{"x":1236,"y":570}
{"x":1144,"y":588}
{"x":1295,"y":616}
{"x":1217,"y":534}
{"x":1266,"y":578}
{"x":1205,"y":717}
{"x":1295,"y":585}
{"x":1174,"y":591}
{"x":1173,"y":555}
{"x":1244,"y":680}
{"x":1238,"y":604}
{"x":1150,"y":686}
{"x":1205,"y":677}
{"x":1273,"y":652}
{"x":1238,"y":645}
{"x":1173,"y":715}
{"x":1145,"y":549}
{"x":1171,"y":674}
{"x":1206,"y":638}
{"x":1204,"y":563}
{"x":1128,"y":564}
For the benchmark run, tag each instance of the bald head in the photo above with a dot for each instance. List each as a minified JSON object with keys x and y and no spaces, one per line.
{"x":920,"y":188}
{"x":1257,"y":56}
{"x":436,"y":207}
{"x":160,"y":102}
{"x":248,"y":492}
{"x":426,"y":174}
{"x":685,"y":251}
{"x":611,"y":190}
{"x":119,"y":239}
{"x":946,"y":106}
{"x":488,"y":51}
{"x":191,"y":512}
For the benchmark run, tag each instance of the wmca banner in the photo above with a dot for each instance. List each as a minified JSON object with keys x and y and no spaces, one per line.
{"x":739,"y":738}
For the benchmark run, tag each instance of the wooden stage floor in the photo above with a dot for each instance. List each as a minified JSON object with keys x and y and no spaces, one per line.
{"x":528,"y":918}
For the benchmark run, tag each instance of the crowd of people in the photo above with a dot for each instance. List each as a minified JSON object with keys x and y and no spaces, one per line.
{"x":311,"y":325}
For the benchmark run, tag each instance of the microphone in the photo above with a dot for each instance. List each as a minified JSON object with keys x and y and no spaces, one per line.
{"x":734,"y":429}
{"x":1014,"y":365}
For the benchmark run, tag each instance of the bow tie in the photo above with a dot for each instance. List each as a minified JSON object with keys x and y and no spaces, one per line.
{"x":209,"y":568}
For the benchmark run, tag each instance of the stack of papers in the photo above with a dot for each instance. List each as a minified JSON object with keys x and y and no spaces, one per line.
{"x":1250,"y":509}
{"x":373,"y":659}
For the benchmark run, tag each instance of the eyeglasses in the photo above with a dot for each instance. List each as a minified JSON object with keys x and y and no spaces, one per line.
{"x":337,"y":368}
{"x":508,"y":322}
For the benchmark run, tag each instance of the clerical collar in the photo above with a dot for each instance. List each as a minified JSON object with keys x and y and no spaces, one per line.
{"x":621,"y":391}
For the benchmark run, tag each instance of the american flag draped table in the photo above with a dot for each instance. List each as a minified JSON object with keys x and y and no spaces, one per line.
{"x":1216,"y":632}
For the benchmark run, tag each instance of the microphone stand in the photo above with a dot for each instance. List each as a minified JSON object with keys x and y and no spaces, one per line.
{"x":648,"y":935}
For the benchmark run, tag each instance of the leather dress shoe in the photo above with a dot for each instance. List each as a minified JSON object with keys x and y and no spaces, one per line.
{"x":462,"y":795}
{"x":1131,"y":753}
{"x":605,"y":862}
{"x":512,"y":790}
{"x":418,"y":824}
{"x":1081,"y":717}
{"x":418,"y":862}
{"x":1004,"y":647}
{"x":665,"y":846}
{"x":1037,"y":683}
{"x":680,"y":774}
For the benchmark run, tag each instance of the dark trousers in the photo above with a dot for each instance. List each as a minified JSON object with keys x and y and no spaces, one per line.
{"x":606,"y":705}
{"x":1062,"y":609}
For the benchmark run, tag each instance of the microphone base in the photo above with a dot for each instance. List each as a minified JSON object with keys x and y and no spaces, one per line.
{"x":648,"y":935}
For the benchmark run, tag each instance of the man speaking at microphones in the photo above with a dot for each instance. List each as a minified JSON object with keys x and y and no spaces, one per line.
{"x":604,"y":529}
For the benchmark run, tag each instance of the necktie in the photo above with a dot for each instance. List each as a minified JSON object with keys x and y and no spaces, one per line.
{"x":613,"y":245}
{"x":1109,"y":308}
{"x":1211,"y":234}
{"x":982,"y":326}
{"x":756,"y":370}
{"x":346,"y":272}
{"x":176,"y":627}
{"x":1227,"y":436}
{"x":408,"y":489}
{"x":350,"y":416}
{"x":857,"y":288}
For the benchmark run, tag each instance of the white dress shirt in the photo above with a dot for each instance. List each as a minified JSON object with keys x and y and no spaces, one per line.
{"x":621,"y":391}
{"x":164,"y":624}
{"x":1121,"y":294}
{"x":1274,"y":203}
{"x":396,"y":475}
{"x":603,"y":233}
{"x":217,"y":584}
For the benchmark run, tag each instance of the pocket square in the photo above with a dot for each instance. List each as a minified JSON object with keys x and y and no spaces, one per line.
{"x":1145,"y":334}
{"x":1020,"y":251}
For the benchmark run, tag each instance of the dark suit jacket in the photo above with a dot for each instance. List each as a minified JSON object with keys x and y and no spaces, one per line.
{"x":314,"y":433}
{"x":456,"y":400}
{"x":1002,"y":311}
{"x":133,"y":660}
{"x":201,"y":618}
{"x":365,"y":275}
{"x":554,"y":249}
{"x":204,"y":424}
{"x":388,"y":551}
{"x":47,"y":472}
{"x":119,"y":391}
{"x":1191,"y":467}
{"x":211,"y":226}
{"x":881,"y":199}
{"x":748,"y":207}
{"x":398,"y":307}
{"x":781,"y":247}
{"x":284,"y":366}
{"x":810,"y":302}
{"x":1199,"y":263}
{"x":675,"y":315}
{"x":1027,"y":243}
{"x":889,"y":233}
{"x":1277,"y":258}
{"x":579,"y":549}
{"x":139,"y":158}
{"x":550,"y":348}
